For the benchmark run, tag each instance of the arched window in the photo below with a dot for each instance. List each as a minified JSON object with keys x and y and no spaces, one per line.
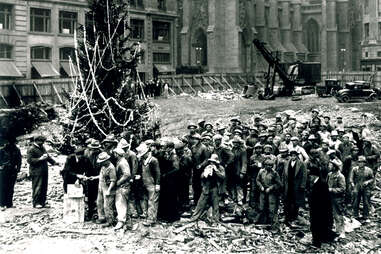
{"x":313,"y":36}
{"x":40,"y":53}
{"x":201,"y":47}
{"x":67,"y":53}
{"x":5,"y":51}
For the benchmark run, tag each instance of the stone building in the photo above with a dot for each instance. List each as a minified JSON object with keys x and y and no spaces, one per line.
{"x":37,"y":37}
{"x":371,"y":37}
{"x":218,"y":34}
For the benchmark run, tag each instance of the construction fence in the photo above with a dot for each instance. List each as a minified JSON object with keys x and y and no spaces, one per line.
{"x":21,"y":92}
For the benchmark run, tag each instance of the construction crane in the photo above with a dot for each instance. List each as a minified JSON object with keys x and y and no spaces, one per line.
{"x":301,"y":74}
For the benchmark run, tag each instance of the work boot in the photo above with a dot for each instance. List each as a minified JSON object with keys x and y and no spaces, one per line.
{"x":100,"y":221}
{"x":119,"y":225}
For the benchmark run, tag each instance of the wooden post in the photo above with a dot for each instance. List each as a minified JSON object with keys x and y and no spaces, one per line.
{"x":38,"y":92}
{"x":18,"y":95}
{"x":56,"y":92}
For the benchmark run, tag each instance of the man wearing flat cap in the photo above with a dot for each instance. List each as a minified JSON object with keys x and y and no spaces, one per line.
{"x":184,"y":175}
{"x":200,"y":156}
{"x":255,"y":164}
{"x":269,"y":183}
{"x":38,"y":160}
{"x":238,"y":178}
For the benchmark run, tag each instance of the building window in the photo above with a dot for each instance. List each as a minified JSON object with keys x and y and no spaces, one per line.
{"x":89,"y":20}
{"x":136,"y":3}
{"x":161,"y":31}
{"x":366,"y":6}
{"x":67,"y":53}
{"x":379,"y":8}
{"x":161,"y":5}
{"x":366,"y":31}
{"x":267,"y":15}
{"x":313,"y":36}
{"x":68,"y":22}
{"x":137,"y":29}
{"x":40,"y":53}
{"x":5,"y":51}
{"x":378,"y":53}
{"x":366,"y":54}
{"x":5,"y":16}
{"x":161,"y":58}
{"x":39,"y":20}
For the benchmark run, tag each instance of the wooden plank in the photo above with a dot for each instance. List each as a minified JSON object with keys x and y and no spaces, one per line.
{"x":18,"y":95}
{"x":214,"y":79}
{"x":2,"y":96}
{"x":207,"y":82}
{"x":244,"y":81}
{"x":202,"y":78}
{"x":56,"y":92}
{"x":186,"y":82}
{"x":223,"y":79}
{"x":38,"y":92}
{"x":202,"y":87}
{"x":177,"y":84}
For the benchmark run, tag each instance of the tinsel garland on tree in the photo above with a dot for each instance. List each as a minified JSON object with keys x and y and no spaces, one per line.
{"x":104,"y":101}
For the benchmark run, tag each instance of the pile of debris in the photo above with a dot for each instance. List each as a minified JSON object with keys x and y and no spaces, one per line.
{"x":23,"y":120}
{"x":225,"y":95}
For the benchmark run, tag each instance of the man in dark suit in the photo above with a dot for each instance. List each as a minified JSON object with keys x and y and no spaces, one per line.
{"x":38,"y":159}
{"x":77,"y":167}
{"x":294,"y":182}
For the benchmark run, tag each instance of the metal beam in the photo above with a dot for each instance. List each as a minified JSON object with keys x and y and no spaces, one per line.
{"x":177,"y":84}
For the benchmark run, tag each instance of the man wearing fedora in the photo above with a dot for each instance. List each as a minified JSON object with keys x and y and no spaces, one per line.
{"x":38,"y":160}
{"x":151,"y":179}
{"x":76,"y":167}
{"x":134,"y":203}
{"x":106,"y":190}
{"x":211,"y":175}
{"x":294,"y":182}
{"x":94,"y":149}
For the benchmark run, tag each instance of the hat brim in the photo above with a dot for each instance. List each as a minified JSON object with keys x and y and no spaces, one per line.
{"x":94,"y":147}
{"x":103,"y":160}
{"x":216,"y":161}
{"x":139,"y":155}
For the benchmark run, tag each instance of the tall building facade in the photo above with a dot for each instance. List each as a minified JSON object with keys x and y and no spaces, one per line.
{"x":218,"y":34}
{"x":371,"y":36}
{"x":37,"y":37}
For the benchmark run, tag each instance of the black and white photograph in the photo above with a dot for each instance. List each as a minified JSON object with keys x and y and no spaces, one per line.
{"x":190,"y":126}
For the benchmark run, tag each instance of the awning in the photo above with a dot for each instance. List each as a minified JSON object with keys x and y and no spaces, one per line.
{"x":9,"y":69}
{"x":45,"y":69}
{"x":71,"y":71}
{"x":164,"y":68}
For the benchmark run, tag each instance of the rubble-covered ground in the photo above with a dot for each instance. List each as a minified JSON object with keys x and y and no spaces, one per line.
{"x":28,"y":230}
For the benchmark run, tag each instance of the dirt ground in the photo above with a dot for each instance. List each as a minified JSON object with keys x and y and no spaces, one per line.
{"x":28,"y":230}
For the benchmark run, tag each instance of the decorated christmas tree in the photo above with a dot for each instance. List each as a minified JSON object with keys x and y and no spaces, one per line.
{"x":104,"y":101}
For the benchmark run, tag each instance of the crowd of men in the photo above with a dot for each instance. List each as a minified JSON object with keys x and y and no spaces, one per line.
{"x":151,"y":88}
{"x":260,"y":166}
